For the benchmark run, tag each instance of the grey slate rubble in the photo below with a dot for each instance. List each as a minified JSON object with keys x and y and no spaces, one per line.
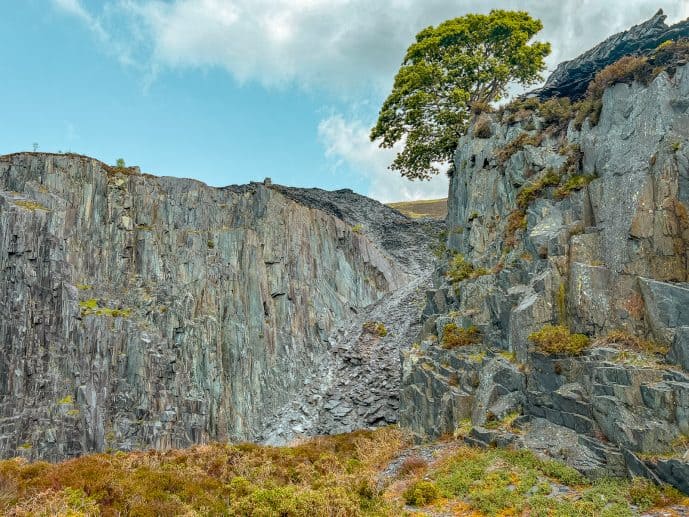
{"x":571,"y":78}
{"x":611,"y":255}
{"x":140,"y":311}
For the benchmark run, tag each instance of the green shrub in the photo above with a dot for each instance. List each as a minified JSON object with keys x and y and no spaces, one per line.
{"x":460,"y":269}
{"x":421,"y":493}
{"x":357,"y":228}
{"x":120,"y":163}
{"x":558,"y":339}
{"x":456,"y":336}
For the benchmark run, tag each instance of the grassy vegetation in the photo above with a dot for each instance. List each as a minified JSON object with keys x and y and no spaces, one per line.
{"x":31,"y":205}
{"x":575,"y":182}
{"x":522,"y":140}
{"x":461,"y":269}
{"x":455,"y":336}
{"x":328,"y":476}
{"x":376,"y":328}
{"x":556,"y":113}
{"x":324,"y":476}
{"x":482,"y":127}
{"x":558,"y":339}
{"x":507,"y":482}
{"x":90,"y":307}
{"x":627,"y":341}
{"x":432,"y":208}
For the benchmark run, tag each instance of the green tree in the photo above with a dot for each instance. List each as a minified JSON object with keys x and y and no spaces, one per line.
{"x":120,"y":163}
{"x":463,"y":62}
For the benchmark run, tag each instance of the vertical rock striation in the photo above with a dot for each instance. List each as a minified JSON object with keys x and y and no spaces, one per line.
{"x":140,"y":311}
{"x":581,"y":227}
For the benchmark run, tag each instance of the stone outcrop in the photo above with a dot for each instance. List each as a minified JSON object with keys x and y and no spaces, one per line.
{"x":142,"y":311}
{"x":571,"y":78}
{"x":606,"y":256}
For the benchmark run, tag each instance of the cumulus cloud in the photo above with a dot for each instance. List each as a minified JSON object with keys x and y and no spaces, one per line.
{"x":347,"y":145}
{"x":342,"y":46}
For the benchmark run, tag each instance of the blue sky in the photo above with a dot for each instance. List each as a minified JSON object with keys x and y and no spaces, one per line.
{"x":230,"y":91}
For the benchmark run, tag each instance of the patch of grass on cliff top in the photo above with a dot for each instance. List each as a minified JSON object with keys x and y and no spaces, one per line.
{"x":323,"y":476}
{"x":433,"y":208}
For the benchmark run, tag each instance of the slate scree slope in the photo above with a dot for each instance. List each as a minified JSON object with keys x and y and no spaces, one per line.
{"x":141,"y":311}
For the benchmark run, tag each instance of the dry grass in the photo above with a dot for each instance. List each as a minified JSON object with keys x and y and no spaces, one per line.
{"x":323,"y":476}
{"x":627,"y":341}
{"x":432,"y":208}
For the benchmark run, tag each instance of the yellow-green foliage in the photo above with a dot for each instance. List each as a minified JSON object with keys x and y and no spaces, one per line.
{"x":576,"y":182}
{"x":628,"y":341}
{"x":421,"y":493}
{"x":558,"y":339}
{"x":323,"y":476}
{"x":90,"y":307}
{"x":461,"y":269}
{"x":509,"y":482}
{"x":357,"y":228}
{"x":31,"y":205}
{"x":531,"y":191}
{"x":454,"y":336}
{"x":375,"y":327}
{"x":67,"y":399}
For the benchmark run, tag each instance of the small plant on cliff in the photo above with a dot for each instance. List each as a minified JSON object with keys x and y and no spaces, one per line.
{"x":377,"y":328}
{"x":628,"y":341}
{"x":461,"y":269}
{"x":482,"y":128}
{"x":558,"y":339}
{"x":455,"y":336}
{"x":357,"y":228}
{"x":462,"y":62}
{"x":120,"y":164}
{"x":576,"y":182}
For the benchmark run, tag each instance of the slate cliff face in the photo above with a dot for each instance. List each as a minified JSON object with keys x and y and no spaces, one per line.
{"x":607,"y":254}
{"x":158,"y":312}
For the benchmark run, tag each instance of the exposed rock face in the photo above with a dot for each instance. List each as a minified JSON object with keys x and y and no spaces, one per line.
{"x":610,"y":254}
{"x":571,"y":78}
{"x":159,"y":312}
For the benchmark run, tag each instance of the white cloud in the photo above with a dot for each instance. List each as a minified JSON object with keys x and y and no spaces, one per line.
{"x":342,"y":46}
{"x":347,"y":48}
{"x":74,"y":8}
{"x":347,"y":145}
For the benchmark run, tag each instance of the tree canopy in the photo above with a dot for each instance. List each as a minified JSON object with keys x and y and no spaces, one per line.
{"x":463,"y":62}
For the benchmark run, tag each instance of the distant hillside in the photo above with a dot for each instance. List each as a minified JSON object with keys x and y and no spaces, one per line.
{"x":434,"y":208}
